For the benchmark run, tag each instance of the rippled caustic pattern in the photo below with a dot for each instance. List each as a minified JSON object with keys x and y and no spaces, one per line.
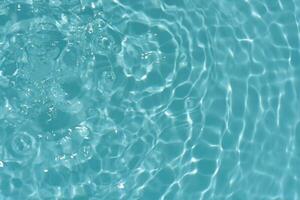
{"x":149,"y":100}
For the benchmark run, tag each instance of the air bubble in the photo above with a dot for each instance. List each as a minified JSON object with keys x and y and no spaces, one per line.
{"x":22,"y":144}
{"x":191,"y":103}
{"x":106,"y":82}
{"x":139,"y":56}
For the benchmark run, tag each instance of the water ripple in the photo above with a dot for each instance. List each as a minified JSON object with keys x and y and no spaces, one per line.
{"x":151,"y":100}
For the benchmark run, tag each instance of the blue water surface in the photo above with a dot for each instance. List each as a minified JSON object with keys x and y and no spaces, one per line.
{"x":149,"y":100}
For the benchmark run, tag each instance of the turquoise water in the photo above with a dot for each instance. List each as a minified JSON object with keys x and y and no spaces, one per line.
{"x":149,"y":100}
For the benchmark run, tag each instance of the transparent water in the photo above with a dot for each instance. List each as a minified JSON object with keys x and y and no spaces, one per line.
{"x":149,"y":100}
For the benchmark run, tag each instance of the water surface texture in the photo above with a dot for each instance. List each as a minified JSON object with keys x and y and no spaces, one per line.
{"x":149,"y":100}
